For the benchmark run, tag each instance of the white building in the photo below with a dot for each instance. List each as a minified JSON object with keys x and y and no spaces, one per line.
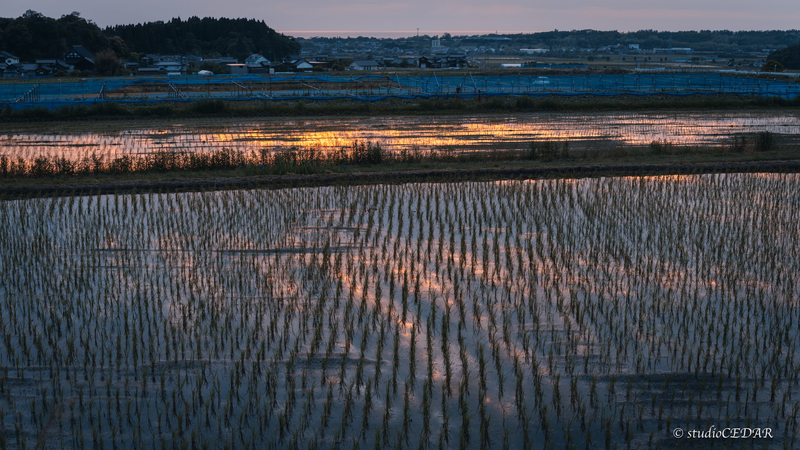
{"x":256,"y":60}
{"x":8,"y":58}
{"x":363,"y":65}
{"x":532,"y":51}
{"x":237,"y":69}
{"x":303,"y":65}
{"x":170,"y":66}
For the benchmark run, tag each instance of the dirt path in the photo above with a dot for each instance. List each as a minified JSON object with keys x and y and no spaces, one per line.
{"x":356,"y":178}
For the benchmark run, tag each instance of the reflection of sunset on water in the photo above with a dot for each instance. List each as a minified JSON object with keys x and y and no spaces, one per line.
{"x":514,"y":299}
{"x":440,"y":133}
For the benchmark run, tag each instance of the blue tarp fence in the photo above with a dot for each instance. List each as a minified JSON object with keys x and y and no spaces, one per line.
{"x":56,"y":104}
{"x":54,"y":94}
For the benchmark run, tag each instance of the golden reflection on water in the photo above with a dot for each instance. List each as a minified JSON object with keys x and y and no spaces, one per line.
{"x":462,"y":133}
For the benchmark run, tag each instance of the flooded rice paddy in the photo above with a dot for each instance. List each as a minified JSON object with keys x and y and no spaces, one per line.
{"x":594,"y":313}
{"x":442,"y":133}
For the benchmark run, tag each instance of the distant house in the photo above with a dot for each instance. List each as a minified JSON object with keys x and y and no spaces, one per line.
{"x":320,"y":65}
{"x":454,"y":61}
{"x":237,"y":69}
{"x":27,"y":70}
{"x":284,"y":67}
{"x":258,"y":69}
{"x":257,"y":64}
{"x":222,"y":61}
{"x":148,"y":71}
{"x":44,"y":71}
{"x":427,"y":63}
{"x":170,"y":66}
{"x":11,"y":70}
{"x":192,"y":61}
{"x":532,"y":51}
{"x":256,"y":60}
{"x":302,"y":64}
{"x":8,"y":58}
{"x":79,"y":57}
{"x":367,"y":64}
{"x":50,"y":67}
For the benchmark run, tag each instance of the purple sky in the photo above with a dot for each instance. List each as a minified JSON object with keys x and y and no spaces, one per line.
{"x":395,"y":18}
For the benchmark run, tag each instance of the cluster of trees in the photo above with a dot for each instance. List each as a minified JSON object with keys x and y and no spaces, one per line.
{"x":207,"y":36}
{"x":34,"y":36}
{"x":789,"y":57}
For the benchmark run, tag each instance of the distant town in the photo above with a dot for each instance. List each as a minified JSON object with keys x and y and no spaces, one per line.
{"x":223,"y":46}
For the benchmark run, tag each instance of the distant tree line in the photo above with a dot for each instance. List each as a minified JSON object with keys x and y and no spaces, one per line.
{"x":722,"y":41}
{"x":207,"y":36}
{"x":704,"y":40}
{"x":34,"y":36}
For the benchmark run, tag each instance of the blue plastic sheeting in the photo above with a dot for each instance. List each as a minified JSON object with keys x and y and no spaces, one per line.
{"x":624,"y":83}
{"x":462,"y":83}
{"x":92,"y":87}
{"x":56,"y":104}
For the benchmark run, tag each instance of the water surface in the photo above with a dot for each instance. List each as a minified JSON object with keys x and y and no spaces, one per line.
{"x":461,"y":133}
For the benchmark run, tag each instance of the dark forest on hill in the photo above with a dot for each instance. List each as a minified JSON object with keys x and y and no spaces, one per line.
{"x":234,"y":37}
{"x":789,"y":57}
{"x":34,"y":36}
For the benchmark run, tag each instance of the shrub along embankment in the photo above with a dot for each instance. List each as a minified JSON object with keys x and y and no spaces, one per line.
{"x":368,"y":163}
{"x":266,"y":161}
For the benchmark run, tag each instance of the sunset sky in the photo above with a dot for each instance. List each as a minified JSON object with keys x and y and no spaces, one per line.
{"x":401,"y":18}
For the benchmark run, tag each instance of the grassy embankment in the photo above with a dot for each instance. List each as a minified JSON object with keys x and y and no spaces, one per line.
{"x":365,"y":162}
